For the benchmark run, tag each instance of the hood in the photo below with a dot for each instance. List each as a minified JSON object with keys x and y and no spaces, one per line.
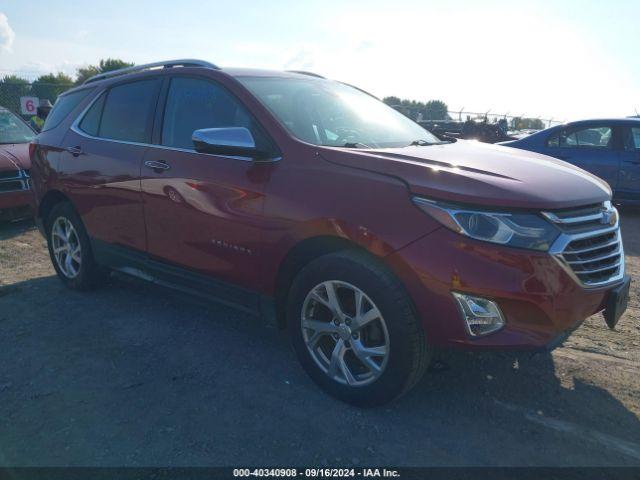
{"x":14,"y":156}
{"x":481,"y":174}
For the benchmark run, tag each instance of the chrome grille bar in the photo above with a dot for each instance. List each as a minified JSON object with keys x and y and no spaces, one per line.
{"x":593,"y":255}
{"x":16,"y":182}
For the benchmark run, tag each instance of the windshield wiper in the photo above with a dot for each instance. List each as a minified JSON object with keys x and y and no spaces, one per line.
{"x":423,"y":143}
{"x":356,"y":145}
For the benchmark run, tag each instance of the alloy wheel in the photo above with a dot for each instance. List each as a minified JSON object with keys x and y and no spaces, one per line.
{"x":66,"y":247}
{"x":345,"y":333}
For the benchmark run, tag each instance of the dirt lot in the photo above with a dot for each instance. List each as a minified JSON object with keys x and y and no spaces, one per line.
{"x":136,"y":375}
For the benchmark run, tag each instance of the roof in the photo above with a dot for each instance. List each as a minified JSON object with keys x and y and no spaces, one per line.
{"x":613,"y":120}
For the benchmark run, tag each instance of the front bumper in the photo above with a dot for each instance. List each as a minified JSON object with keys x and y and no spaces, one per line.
{"x":539,"y":299}
{"x":16,"y":204}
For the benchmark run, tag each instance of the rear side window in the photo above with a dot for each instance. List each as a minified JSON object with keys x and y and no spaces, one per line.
{"x":63,"y":107}
{"x":128,"y":111}
{"x":194,"y":103}
{"x":91,"y":121}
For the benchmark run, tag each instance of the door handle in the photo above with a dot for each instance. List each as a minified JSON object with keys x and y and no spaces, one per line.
{"x":157,"y":166}
{"x":75,"y":151}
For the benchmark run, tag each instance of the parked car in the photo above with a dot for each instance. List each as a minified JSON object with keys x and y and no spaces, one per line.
{"x":317,"y":206}
{"x":16,"y":198}
{"x":608,"y":148}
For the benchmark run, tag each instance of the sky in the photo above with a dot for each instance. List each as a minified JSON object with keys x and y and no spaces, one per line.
{"x":552,"y":59}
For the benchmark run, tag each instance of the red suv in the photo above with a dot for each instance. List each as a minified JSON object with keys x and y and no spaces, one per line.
{"x":315,"y":205}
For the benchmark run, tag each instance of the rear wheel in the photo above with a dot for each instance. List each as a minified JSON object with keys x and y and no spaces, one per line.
{"x":70,"y":248}
{"x":354,"y":329}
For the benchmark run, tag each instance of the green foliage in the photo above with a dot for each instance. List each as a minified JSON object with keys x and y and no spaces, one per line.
{"x":111,"y":64}
{"x":84,"y":73}
{"x":50,"y":86}
{"x":432,"y":110}
{"x":392,"y":101}
{"x":523,"y":123}
{"x":12,"y":88}
{"x":105,"y":65}
{"x":436,"y":110}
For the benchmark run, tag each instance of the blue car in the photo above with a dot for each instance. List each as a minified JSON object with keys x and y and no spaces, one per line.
{"x":609,"y":148}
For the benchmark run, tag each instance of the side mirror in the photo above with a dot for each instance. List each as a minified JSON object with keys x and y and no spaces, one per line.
{"x":236,"y":141}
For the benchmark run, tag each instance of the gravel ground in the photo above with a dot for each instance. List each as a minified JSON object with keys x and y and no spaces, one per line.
{"x":140,"y":376}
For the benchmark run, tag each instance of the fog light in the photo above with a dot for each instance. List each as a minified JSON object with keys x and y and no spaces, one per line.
{"x":481,"y":316}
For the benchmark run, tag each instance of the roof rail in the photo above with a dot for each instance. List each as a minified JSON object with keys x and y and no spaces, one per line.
{"x":302,"y":72}
{"x":149,"y":66}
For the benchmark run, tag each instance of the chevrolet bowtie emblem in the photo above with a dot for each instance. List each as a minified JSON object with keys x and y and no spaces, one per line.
{"x":609,"y":217}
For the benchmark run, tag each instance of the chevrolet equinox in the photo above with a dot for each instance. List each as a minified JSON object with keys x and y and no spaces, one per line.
{"x":313,"y":204}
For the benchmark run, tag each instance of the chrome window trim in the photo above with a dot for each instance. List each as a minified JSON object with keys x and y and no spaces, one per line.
{"x":75,"y":127}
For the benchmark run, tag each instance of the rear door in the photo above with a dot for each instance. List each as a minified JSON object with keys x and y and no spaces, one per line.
{"x":629,"y":182}
{"x":101,"y":168}
{"x":588,"y":146}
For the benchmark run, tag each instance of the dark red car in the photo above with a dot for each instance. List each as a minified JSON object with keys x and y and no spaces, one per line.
{"x":16,"y":198}
{"x":315,"y":205}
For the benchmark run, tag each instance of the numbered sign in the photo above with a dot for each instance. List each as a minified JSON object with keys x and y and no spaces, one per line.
{"x":29,"y":105}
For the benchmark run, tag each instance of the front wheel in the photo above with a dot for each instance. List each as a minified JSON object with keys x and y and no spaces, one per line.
{"x":354,"y":329}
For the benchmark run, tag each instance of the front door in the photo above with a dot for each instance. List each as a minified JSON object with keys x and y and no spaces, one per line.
{"x":202,"y":211}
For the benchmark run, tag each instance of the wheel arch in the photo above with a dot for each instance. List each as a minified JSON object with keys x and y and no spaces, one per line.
{"x":301,"y":255}
{"x":50,"y":199}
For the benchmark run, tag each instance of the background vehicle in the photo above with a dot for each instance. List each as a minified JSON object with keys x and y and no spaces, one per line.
{"x":608,"y":148}
{"x":314,"y":204}
{"x":16,"y":199}
{"x":480,"y":130}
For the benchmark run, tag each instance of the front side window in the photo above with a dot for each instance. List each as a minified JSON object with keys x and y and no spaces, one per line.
{"x":196,"y":103}
{"x":128,"y":111}
{"x":324,"y":112}
{"x":63,"y":106}
{"x":13,"y":130}
{"x":591,"y":137}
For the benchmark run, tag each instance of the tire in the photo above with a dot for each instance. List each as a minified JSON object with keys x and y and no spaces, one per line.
{"x":384,"y":358}
{"x":82,"y":272}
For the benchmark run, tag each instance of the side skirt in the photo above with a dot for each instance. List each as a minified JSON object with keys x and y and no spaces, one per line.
{"x":141,"y":265}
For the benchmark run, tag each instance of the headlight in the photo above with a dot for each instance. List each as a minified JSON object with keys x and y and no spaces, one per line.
{"x":523,"y":230}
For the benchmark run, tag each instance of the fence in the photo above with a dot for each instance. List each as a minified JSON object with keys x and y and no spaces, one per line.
{"x":516,"y":122}
{"x":11,"y":91}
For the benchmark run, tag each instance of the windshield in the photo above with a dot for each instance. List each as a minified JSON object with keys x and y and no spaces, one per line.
{"x":13,"y":130}
{"x":324,"y":112}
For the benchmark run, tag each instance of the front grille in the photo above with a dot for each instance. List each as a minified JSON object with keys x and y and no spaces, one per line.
{"x":14,"y":180}
{"x":590,"y":247}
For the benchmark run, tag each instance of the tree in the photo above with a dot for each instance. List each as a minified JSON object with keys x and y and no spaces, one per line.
{"x":392,"y":101}
{"x":436,"y":110}
{"x":50,"y":86}
{"x":105,"y":65}
{"x":111,"y":64}
{"x":84,"y":73}
{"x":12,"y":88}
{"x":519,"y":123}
